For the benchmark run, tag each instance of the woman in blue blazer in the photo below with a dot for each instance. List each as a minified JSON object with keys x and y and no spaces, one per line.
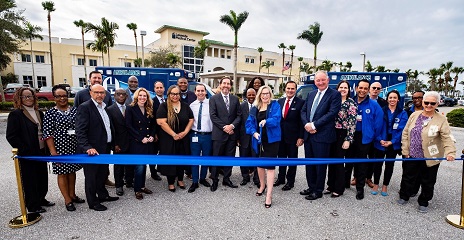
{"x":140,"y":123}
{"x":394,"y":121}
{"x":263,"y":124}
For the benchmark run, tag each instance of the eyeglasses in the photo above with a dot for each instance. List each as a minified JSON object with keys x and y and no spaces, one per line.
{"x":430,"y":103}
{"x":121,"y":94}
{"x":174,"y":94}
{"x":61,"y":96}
{"x":416,"y":98}
{"x":101,"y":93}
{"x":27,"y":97}
{"x":265,"y":93}
{"x":376,"y":88}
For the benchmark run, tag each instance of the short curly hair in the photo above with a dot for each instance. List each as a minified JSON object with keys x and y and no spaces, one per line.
{"x":17,"y":101}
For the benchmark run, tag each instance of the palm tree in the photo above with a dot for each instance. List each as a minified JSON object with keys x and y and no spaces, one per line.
{"x":447,"y":68}
{"x":369,"y":67}
{"x":267,"y":65}
{"x":133,"y":27}
{"x":457,"y":71}
{"x":98,"y":46}
{"x":49,"y":6}
{"x":199,"y":52}
{"x":260,"y":50}
{"x":234,"y":22}
{"x":349,"y":65}
{"x":291,"y":48}
{"x":440,"y":80}
{"x":283,"y":47}
{"x":326,"y":65}
{"x":380,"y":69}
{"x":313,"y":35}
{"x":31,"y":32}
{"x":105,"y":33}
{"x":433,"y":73}
{"x":300,"y":59}
{"x":81,"y":24}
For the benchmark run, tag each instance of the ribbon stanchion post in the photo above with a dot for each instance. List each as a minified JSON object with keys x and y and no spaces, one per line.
{"x":458,"y":220}
{"x":25,"y":219}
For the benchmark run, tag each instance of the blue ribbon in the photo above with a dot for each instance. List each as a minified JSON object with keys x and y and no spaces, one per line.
{"x":136,"y":159}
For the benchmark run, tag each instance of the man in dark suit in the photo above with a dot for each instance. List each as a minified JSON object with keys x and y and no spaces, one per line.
{"x":94,"y":136}
{"x":244,"y":141}
{"x":225,"y":113}
{"x":186,"y":96}
{"x":157,"y":100}
{"x":133,"y":85}
{"x":116,"y":112}
{"x":292,"y":133}
{"x":318,"y":117}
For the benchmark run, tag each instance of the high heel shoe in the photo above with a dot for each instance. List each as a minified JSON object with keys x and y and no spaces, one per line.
{"x":267,"y":205}
{"x":180,"y":186}
{"x":258,"y":194}
{"x":172,"y":189}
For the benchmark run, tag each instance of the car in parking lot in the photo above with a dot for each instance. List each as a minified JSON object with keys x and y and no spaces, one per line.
{"x":73,"y":91}
{"x":447,"y":101}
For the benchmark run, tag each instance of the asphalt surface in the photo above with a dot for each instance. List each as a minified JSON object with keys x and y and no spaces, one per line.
{"x":238,"y":213}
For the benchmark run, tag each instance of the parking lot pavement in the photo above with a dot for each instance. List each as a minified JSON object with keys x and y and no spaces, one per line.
{"x":238,"y":213}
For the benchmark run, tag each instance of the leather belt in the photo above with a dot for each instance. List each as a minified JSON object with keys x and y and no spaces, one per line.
{"x":202,"y":133}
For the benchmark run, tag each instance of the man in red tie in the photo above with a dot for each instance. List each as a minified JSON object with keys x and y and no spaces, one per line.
{"x":292,"y":133}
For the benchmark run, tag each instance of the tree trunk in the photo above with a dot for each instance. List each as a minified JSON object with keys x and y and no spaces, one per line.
{"x":50,"y":45}
{"x":83,"y":51}
{"x":136,"y":47}
{"x":103,"y":59}
{"x":108,"y":49}
{"x":236,"y":84}
{"x":32,"y":64}
{"x":2,"y":93}
{"x":260,"y":59}
{"x":291,"y":65}
{"x":315,"y":56}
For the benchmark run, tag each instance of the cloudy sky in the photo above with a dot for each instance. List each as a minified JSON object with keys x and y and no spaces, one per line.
{"x":418,"y":34}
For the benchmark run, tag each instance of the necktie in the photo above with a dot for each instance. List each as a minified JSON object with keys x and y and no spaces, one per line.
{"x":123,"y":109}
{"x":162,"y":100}
{"x":199,"y":116}
{"x":313,"y":109}
{"x":226,"y":98}
{"x":287,"y":106}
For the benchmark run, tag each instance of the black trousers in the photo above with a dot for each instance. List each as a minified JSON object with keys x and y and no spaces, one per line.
{"x":389,"y":165}
{"x":287,"y":150}
{"x":360,"y":150}
{"x":247,"y":151}
{"x":223,"y":148}
{"x":95,"y":177}
{"x":336,"y":174}
{"x":418,"y":171}
{"x":34,"y":177}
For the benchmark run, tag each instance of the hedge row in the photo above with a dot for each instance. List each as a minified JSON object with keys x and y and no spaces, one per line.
{"x":43,"y":105}
{"x":456,"y":117}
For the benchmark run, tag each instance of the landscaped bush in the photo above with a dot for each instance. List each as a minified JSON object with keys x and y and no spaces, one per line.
{"x":456,"y":117}
{"x":43,"y":105}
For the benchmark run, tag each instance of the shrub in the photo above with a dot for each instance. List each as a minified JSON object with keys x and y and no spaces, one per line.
{"x":43,"y":105}
{"x":456,"y":117}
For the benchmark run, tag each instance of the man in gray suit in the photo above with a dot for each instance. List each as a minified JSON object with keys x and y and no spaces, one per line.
{"x":225,"y":113}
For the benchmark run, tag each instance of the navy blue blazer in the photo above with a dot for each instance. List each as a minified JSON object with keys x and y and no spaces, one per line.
{"x":291,"y":125}
{"x":324,"y":117}
{"x":140,"y":126}
{"x":121,"y":134}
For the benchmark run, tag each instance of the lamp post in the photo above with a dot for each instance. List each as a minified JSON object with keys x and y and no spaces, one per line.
{"x":143,"y":33}
{"x":364,"y":60}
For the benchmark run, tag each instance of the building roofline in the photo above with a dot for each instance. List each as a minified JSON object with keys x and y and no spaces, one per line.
{"x":219,"y":43}
{"x":164,"y":27}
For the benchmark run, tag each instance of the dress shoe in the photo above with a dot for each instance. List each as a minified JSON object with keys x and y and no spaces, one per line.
{"x":139,"y":195}
{"x":423,"y":209}
{"x":181,"y":186}
{"x":77,"y":199}
{"x":313,"y":196}
{"x":279,"y":182}
{"x":205,"y":183}
{"x":287,"y":187}
{"x":146,"y":190}
{"x":244,"y":182}
{"x":214,"y":186}
{"x":156,"y":177}
{"x":109,"y":183}
{"x":47,"y":203}
{"x":37,"y":210}
{"x":129,"y":185}
{"x":305,"y":192}
{"x":70,"y":207}
{"x":119,"y":191}
{"x":401,"y":201}
{"x":99,"y":207}
{"x":108,"y":199}
{"x":193,"y":187}
{"x":229,"y":184}
{"x":369,"y":183}
{"x":327,"y":191}
{"x":360,"y":194}
{"x":335,"y":195}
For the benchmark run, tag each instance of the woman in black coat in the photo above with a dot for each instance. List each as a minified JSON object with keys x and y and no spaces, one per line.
{"x":24,"y":132}
{"x":140,"y":123}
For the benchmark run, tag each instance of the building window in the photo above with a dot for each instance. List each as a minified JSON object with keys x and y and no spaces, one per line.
{"x":247,"y":60}
{"x":28,"y":80}
{"x":228,"y":56}
{"x":190,"y":62}
{"x":252,"y":60}
{"x":39,"y":58}
{"x":41,"y":81}
{"x":127,"y":64}
{"x":80,"y":62}
{"x":93,"y":62}
{"x":25,"y":57}
{"x":82,"y":82}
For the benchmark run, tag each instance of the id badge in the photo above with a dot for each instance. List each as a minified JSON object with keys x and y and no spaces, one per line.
{"x":359,"y":118}
{"x":195,"y":139}
{"x":433,"y":150}
{"x":395,"y":126}
{"x":71,"y":132}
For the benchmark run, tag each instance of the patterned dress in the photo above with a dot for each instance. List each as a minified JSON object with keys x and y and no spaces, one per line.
{"x":60,"y":126}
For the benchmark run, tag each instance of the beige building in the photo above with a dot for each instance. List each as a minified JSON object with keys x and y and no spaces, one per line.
{"x":69,"y":62}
